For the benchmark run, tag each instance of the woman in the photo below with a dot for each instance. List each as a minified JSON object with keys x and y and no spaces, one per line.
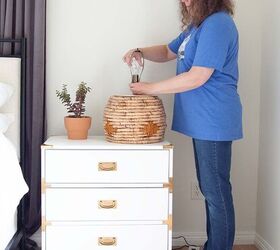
{"x":207,"y":106}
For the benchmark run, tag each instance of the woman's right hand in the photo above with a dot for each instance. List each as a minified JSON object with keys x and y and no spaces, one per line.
{"x":127,"y":58}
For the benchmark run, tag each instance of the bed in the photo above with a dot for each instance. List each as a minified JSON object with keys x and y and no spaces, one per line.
{"x":12,"y":184}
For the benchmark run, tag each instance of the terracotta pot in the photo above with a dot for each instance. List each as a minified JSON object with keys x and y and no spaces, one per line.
{"x":77,"y":128}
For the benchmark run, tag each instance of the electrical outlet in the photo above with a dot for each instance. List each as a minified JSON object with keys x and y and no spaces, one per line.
{"x":195,"y":192}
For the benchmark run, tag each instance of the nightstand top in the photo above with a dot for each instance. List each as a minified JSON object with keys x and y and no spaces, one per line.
{"x":98,"y":142}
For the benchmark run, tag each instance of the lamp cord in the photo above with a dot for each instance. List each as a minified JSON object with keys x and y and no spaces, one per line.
{"x":187,"y":244}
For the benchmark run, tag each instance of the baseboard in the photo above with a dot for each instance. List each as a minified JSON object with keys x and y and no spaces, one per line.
{"x":261,"y":244}
{"x":241,"y":238}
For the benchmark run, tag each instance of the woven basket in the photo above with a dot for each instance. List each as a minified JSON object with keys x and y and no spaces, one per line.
{"x":136,"y":119}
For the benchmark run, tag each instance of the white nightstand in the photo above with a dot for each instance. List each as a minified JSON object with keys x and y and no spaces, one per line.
{"x":100,"y":195}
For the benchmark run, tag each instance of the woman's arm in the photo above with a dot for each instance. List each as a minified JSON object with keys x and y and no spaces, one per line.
{"x":192,"y":79}
{"x":159,"y":53}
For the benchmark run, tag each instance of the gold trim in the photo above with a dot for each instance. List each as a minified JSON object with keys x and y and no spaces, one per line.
{"x":169,"y":222}
{"x":168,"y":146}
{"x":169,"y":185}
{"x":44,"y":186}
{"x":46,"y":146}
{"x":107,"y":166}
{"x":107,"y":241}
{"x":44,"y":224}
{"x":107,"y":204}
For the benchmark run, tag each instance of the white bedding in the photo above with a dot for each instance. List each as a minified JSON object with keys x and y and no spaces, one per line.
{"x":12,"y":188}
{"x":12,"y":184}
{"x":10,"y":74}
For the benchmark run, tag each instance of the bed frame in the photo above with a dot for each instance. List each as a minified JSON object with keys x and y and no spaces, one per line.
{"x":20,"y":236}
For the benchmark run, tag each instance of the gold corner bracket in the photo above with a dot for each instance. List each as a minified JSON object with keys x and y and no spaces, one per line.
{"x":44,"y":224}
{"x":168,"y":146}
{"x":169,"y":185}
{"x":169,"y":222}
{"x":46,"y":146}
{"x":44,"y":186}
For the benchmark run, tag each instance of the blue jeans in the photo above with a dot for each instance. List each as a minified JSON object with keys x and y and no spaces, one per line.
{"x":213,"y":162}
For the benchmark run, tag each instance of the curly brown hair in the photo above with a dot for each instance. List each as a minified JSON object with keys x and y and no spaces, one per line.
{"x":201,"y":9}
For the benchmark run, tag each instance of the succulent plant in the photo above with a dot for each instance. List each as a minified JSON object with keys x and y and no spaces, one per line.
{"x":77,"y":107}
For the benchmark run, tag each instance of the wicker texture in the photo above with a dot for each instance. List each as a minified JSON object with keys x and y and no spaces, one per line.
{"x":136,"y":119}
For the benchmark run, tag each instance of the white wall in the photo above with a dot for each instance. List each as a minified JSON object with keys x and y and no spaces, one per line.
{"x":245,"y":160}
{"x":86,"y":40}
{"x":268,"y":216}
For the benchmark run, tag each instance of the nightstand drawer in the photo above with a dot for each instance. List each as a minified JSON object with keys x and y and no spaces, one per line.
{"x":119,"y":237}
{"x":84,"y":204}
{"x":106,"y":166}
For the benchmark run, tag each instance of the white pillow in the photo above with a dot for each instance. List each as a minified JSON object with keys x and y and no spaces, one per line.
{"x":5,"y":121}
{"x":6,"y":92}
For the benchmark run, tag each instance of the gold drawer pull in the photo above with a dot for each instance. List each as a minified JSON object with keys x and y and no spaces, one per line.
{"x":107,"y":241}
{"x":107,"y":166}
{"x":107,"y":204}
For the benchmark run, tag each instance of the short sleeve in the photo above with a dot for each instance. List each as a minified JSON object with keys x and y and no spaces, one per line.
{"x":214,"y":42}
{"x":175,"y":44}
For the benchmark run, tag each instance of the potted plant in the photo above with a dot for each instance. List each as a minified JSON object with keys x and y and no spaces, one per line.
{"x":76,"y":124}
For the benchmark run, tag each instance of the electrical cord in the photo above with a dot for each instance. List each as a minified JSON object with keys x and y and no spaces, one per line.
{"x":187,"y":244}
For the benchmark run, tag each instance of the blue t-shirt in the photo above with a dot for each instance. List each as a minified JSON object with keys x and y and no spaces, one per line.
{"x":212,"y":111}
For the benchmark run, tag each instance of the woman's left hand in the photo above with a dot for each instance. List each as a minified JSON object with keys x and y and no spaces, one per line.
{"x":142,"y":88}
